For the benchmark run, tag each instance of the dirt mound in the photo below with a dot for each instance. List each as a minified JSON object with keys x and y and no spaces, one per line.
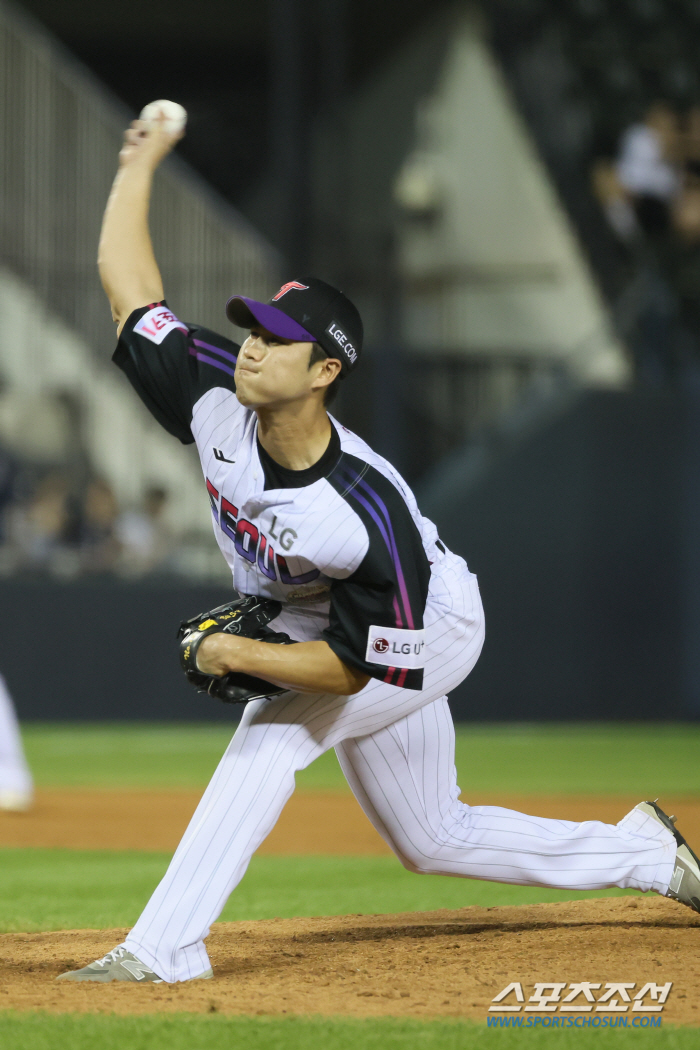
{"x":443,"y":963}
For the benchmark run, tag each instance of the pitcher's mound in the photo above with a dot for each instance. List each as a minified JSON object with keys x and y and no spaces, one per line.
{"x":429,"y":964}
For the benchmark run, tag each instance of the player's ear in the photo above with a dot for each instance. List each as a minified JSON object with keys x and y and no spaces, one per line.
{"x":328,"y":372}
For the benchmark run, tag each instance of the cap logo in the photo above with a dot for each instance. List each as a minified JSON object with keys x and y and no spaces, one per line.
{"x":288,"y":287}
{"x":343,"y":342}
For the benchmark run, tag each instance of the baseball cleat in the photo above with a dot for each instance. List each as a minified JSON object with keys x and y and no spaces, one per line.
{"x":685,"y":881}
{"x":120,"y":965}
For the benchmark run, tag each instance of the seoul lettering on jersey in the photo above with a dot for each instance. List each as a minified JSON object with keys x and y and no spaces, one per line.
{"x":252,"y":544}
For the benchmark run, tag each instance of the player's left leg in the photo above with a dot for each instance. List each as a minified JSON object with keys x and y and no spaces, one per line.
{"x":405,"y":779}
{"x":15,"y":779}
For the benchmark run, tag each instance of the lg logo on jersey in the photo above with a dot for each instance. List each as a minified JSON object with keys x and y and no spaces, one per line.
{"x":380,"y":645}
{"x":286,"y":537}
{"x":395,"y":647}
{"x":252,"y":544}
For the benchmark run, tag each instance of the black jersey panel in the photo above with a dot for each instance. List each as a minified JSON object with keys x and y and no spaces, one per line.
{"x":390,"y":587}
{"x":171,"y":372}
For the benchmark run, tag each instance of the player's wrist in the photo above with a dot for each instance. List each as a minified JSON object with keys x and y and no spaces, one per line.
{"x":146,"y":147}
{"x":217,"y":654}
{"x":135,"y":171}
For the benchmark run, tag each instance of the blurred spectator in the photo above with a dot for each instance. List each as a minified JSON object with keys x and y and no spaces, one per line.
{"x":615,"y":200}
{"x":98,"y":541}
{"x":691,"y":141}
{"x":41,"y":527}
{"x":651,"y":198}
{"x":686,"y":217}
{"x":52,"y":530}
{"x":143,"y":534}
{"x":686,"y":214}
{"x":647,"y":167}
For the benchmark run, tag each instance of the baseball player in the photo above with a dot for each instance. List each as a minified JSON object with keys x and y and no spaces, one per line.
{"x":16,"y":786}
{"x":385,"y":619}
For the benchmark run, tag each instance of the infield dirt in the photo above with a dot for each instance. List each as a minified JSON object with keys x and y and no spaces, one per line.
{"x":443,"y":963}
{"x":311,"y":823}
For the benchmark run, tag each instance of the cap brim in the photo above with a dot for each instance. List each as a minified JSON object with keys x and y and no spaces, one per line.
{"x":246,"y":312}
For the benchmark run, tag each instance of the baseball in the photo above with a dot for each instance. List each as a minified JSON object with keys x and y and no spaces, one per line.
{"x":175,"y":114}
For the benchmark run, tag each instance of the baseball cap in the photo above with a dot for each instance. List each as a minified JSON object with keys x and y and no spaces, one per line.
{"x":307,"y":310}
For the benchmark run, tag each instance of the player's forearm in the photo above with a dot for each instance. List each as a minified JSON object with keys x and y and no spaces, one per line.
{"x":309,"y":667}
{"x":128,"y":268}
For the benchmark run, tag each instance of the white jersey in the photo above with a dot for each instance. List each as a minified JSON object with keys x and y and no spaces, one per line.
{"x":342,"y":544}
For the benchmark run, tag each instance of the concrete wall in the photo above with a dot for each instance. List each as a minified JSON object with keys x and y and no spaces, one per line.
{"x":107,"y":653}
{"x":584,"y":537}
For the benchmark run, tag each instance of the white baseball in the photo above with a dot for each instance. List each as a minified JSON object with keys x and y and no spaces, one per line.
{"x":175,"y":114}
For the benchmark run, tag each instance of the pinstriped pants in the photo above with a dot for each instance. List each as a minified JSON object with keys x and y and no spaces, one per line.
{"x":396,"y":748}
{"x":14,"y":771}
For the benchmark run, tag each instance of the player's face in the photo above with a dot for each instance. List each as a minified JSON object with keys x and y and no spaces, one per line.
{"x":272,"y":370}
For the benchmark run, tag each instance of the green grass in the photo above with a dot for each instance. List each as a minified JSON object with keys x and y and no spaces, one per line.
{"x":196,"y":1032}
{"x":52,"y":889}
{"x":591,"y":758}
{"x":43,"y":889}
{"x":124,"y":754}
{"x":554,"y":759}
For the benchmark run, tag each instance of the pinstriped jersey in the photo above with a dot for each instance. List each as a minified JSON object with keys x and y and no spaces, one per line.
{"x":342,"y":545}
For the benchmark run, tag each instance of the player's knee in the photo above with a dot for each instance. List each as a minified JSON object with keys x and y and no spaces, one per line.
{"x":415,"y":861}
{"x":409,"y":864}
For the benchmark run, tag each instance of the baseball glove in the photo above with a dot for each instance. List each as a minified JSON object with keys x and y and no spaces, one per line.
{"x":247,"y":617}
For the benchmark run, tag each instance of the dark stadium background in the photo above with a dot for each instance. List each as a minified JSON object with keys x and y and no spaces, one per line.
{"x":583,"y":530}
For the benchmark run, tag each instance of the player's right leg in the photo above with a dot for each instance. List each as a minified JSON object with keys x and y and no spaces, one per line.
{"x":405,"y":779}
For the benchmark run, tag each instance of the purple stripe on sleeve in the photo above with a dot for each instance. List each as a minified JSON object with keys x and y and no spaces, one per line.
{"x":380,"y":525}
{"x":395,"y":554}
{"x":215,"y":349}
{"x":211,"y":361}
{"x":389,"y":539}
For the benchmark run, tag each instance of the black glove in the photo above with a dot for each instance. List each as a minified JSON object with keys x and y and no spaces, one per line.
{"x":247,"y":617}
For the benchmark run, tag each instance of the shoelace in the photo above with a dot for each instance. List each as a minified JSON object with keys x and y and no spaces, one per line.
{"x":111,"y":957}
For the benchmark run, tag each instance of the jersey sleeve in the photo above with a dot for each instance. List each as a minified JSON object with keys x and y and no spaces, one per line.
{"x":171,"y":364}
{"x":376,"y":613}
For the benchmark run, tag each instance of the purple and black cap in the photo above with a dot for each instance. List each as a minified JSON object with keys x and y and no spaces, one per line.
{"x":307,"y":311}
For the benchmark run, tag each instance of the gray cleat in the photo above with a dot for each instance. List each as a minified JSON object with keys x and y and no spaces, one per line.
{"x":120,"y":965}
{"x":685,"y":881}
